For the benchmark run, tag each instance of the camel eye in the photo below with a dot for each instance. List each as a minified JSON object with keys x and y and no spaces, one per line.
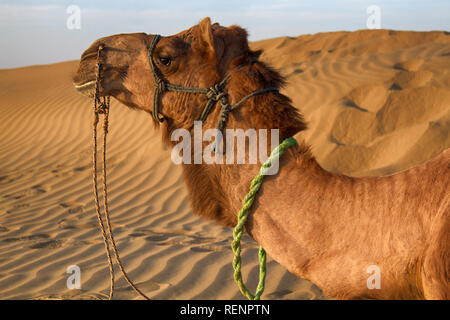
{"x":165,"y":60}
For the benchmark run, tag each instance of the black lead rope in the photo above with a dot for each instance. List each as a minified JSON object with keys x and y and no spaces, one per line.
{"x":214,"y":94}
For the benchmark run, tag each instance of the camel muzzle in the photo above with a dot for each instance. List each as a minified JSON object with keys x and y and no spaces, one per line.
{"x":87,"y":76}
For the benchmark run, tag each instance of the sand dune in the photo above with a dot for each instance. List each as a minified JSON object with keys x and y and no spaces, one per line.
{"x":377,"y":102}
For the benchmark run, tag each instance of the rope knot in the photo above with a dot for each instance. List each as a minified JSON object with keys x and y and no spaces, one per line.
{"x":215,"y":92}
{"x":160,"y":85}
{"x":101,"y":109}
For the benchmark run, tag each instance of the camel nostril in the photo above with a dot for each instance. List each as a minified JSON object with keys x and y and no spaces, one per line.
{"x":87,"y":55}
{"x":92,"y":52}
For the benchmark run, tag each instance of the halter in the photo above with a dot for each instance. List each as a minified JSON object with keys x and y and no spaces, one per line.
{"x":214,"y":93}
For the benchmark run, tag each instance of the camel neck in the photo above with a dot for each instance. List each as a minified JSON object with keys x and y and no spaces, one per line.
{"x":216,"y":190}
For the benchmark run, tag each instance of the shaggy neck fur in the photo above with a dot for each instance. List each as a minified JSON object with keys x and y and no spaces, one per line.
{"x":209,"y":197}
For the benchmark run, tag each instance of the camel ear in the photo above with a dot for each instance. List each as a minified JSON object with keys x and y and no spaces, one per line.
{"x":205,"y":36}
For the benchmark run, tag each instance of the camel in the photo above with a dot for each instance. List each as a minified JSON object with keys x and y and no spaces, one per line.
{"x":328,"y":228}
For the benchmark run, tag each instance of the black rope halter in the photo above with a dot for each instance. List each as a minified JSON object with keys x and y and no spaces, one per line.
{"x":214,"y":93}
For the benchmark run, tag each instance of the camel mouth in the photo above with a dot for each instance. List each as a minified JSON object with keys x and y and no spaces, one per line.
{"x":86,"y":88}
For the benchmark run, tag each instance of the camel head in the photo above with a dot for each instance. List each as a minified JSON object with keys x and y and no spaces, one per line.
{"x":197,"y":57}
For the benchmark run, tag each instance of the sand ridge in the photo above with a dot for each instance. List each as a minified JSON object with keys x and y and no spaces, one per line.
{"x":377,"y":102}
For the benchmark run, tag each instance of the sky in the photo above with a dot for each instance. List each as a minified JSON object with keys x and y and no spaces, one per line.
{"x":37,"y":32}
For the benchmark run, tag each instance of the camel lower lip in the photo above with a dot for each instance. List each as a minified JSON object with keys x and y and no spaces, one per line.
{"x":85,"y":86}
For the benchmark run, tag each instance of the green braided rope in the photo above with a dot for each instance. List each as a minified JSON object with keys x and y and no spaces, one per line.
{"x":242,"y":219}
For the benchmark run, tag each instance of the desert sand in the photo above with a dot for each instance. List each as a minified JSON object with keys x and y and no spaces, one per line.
{"x":377,"y":102}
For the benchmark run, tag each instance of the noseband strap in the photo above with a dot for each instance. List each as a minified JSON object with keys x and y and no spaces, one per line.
{"x":213,"y":94}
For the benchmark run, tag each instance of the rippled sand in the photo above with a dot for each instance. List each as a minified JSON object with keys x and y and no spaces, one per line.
{"x":377,"y":102}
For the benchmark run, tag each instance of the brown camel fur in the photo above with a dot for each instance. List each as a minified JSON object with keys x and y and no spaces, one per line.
{"x":323,"y":227}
